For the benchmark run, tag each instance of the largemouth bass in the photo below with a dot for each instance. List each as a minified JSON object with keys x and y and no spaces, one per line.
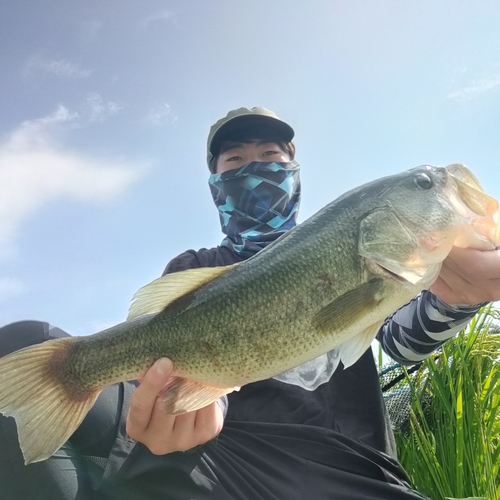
{"x":330,"y":282}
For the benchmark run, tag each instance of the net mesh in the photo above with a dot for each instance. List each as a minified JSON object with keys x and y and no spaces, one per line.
{"x":394,"y":381}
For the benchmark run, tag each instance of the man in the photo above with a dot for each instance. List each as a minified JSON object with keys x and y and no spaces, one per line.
{"x":315,"y":432}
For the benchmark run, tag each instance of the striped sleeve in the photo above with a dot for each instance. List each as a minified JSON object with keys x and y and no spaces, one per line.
{"x":421,"y":326}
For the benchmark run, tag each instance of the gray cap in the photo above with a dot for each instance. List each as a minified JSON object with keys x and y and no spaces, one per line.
{"x":261,"y":119}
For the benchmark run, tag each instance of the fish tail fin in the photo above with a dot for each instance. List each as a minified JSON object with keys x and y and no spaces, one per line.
{"x":46,"y":412}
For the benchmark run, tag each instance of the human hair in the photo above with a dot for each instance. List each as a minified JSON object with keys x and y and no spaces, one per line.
{"x":248,"y":134}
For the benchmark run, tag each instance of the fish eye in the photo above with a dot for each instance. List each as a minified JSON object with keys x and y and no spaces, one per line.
{"x":423,"y":181}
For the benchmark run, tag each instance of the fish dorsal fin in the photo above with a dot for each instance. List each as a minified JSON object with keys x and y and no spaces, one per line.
{"x":155,"y":296}
{"x":356,"y":346}
{"x":350,"y":307}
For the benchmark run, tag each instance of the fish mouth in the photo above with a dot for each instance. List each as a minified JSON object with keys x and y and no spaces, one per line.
{"x":422,"y":276}
{"x":391,"y":274}
{"x":466,"y":196}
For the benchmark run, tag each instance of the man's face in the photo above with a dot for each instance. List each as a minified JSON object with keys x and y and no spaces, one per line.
{"x":239,"y":153}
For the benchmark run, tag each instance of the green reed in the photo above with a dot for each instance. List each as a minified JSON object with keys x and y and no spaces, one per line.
{"x":452,"y":448}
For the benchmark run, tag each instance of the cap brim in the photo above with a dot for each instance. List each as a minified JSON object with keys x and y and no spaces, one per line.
{"x":250,"y":124}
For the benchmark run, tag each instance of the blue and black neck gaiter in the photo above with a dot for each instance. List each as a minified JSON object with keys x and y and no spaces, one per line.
{"x":257,"y":203}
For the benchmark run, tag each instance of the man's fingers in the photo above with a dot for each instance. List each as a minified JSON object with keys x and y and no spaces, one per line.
{"x":209,"y":422}
{"x":449,"y":289}
{"x":183,"y":433}
{"x":148,"y":423}
{"x":144,"y":397}
{"x":198,"y":427}
{"x":474,"y":264}
{"x":469,"y":276}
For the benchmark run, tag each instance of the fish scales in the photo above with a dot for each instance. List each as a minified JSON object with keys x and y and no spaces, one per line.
{"x":240,"y":327}
{"x":330,"y":282}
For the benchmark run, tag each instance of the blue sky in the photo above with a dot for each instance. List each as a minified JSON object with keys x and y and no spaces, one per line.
{"x":105,"y":109}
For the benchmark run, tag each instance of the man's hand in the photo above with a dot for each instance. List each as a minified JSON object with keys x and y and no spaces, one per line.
{"x":469,"y":276}
{"x":162,"y":433}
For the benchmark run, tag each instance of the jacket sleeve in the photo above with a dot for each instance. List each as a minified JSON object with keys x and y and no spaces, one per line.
{"x":421,"y":326}
{"x":184,"y":261}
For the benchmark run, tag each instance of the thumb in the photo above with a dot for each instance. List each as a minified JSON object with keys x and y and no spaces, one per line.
{"x":159,"y":373}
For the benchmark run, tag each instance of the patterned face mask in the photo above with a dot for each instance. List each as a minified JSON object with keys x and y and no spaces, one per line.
{"x":257,"y":203}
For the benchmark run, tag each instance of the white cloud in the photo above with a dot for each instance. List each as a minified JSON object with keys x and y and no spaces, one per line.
{"x":61,"y":68}
{"x":10,"y":287}
{"x":476,"y":89}
{"x":165,"y":15}
{"x":99,"y":109}
{"x":36,"y":168}
{"x":160,"y":114}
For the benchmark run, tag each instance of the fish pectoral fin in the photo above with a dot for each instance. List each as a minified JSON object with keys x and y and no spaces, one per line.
{"x":350,"y":307}
{"x":356,"y":346}
{"x":155,"y":296}
{"x":183,"y":395}
{"x":45,"y":411}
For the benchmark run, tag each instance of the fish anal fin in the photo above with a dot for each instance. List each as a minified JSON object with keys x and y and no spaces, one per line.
{"x":45,"y":412}
{"x":349,"y":307}
{"x":183,"y":395}
{"x":155,"y":296}
{"x":351,"y":350}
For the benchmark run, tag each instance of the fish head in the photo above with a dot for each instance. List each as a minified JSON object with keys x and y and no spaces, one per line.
{"x":419,"y":215}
